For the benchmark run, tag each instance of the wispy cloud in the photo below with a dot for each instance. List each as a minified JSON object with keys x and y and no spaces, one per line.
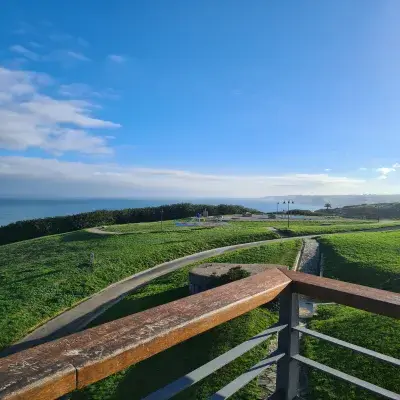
{"x":328,"y":169}
{"x":166,"y":181}
{"x":362,"y":169}
{"x":77,"y":56}
{"x":82,"y":90}
{"x":68,"y":39}
{"x":25,"y":52}
{"x":385,"y":171}
{"x":62,"y":56}
{"x":116,"y":58}
{"x":36,"y":45}
{"x":29,"y":118}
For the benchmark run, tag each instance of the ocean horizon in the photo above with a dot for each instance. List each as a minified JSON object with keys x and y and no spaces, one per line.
{"x":18,"y":209}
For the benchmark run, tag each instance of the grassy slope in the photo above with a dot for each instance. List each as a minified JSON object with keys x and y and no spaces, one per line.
{"x":370,"y":259}
{"x":145,"y":377}
{"x":361,"y":328}
{"x":41,"y":277}
{"x":298,"y":229}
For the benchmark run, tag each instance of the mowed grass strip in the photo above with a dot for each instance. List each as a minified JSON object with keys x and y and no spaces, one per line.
{"x":297,"y":227}
{"x":378,"y":333}
{"x":143,"y":378}
{"x":40,"y":278}
{"x":370,"y":259}
{"x":309,"y":228}
{"x":367,"y":258}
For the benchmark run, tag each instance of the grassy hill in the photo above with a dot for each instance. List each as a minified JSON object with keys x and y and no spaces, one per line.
{"x":296,"y":228}
{"x":370,"y":259}
{"x":369,"y":211}
{"x":321,"y":227}
{"x":40,"y":278}
{"x":141,"y":379}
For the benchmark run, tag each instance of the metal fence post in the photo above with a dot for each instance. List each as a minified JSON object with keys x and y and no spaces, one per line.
{"x":288,"y":370}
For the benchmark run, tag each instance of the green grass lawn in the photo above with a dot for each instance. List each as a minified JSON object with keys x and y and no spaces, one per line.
{"x":370,"y":259}
{"x":151,"y":374}
{"x":154,"y":227}
{"x":314,"y":227}
{"x":40,"y":278}
{"x":374,"y":332}
{"x":297,"y":228}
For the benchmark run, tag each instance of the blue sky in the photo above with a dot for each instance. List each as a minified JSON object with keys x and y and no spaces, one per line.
{"x":226,"y":98}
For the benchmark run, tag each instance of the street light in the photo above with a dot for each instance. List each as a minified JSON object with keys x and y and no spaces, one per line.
{"x":162,"y":213}
{"x":288,"y":210}
{"x":277,"y":205}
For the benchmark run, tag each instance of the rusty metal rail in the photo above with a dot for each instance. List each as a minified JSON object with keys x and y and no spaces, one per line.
{"x":53,"y":369}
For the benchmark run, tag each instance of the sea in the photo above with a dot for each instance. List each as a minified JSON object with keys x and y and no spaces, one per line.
{"x":18,"y":209}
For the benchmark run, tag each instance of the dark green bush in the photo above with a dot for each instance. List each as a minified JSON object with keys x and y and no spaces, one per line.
{"x":234,"y":274}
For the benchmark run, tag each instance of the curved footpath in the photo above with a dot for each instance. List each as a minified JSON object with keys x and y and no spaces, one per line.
{"x":82,"y":314}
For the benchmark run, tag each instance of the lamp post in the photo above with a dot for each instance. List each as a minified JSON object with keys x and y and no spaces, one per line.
{"x":162,"y":213}
{"x":277,"y":205}
{"x":288,"y":210}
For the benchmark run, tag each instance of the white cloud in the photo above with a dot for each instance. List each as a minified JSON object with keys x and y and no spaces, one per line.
{"x":169,"y":182}
{"x":78,"y":90}
{"x":362,"y":169}
{"x":25,"y":52}
{"x":81,"y":90}
{"x":385,"y":171}
{"x":328,"y":169}
{"x":116,"y":58}
{"x":29,"y":118}
{"x":62,"y":56}
{"x":77,"y":56}
{"x":66,"y":58}
{"x":396,"y":165}
{"x":36,"y":45}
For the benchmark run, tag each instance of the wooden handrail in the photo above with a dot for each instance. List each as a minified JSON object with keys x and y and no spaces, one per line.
{"x":362,"y":297}
{"x":55,"y":368}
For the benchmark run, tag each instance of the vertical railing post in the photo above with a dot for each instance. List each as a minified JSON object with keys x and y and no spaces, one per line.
{"x":288,"y":370}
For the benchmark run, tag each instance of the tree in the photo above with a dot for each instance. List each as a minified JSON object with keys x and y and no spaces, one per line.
{"x":327,"y":206}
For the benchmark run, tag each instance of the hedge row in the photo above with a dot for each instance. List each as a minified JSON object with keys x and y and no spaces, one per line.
{"x":29,"y":229}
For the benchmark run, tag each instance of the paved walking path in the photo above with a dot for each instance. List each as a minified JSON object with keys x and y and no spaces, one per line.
{"x":309,"y":264}
{"x":82,"y":314}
